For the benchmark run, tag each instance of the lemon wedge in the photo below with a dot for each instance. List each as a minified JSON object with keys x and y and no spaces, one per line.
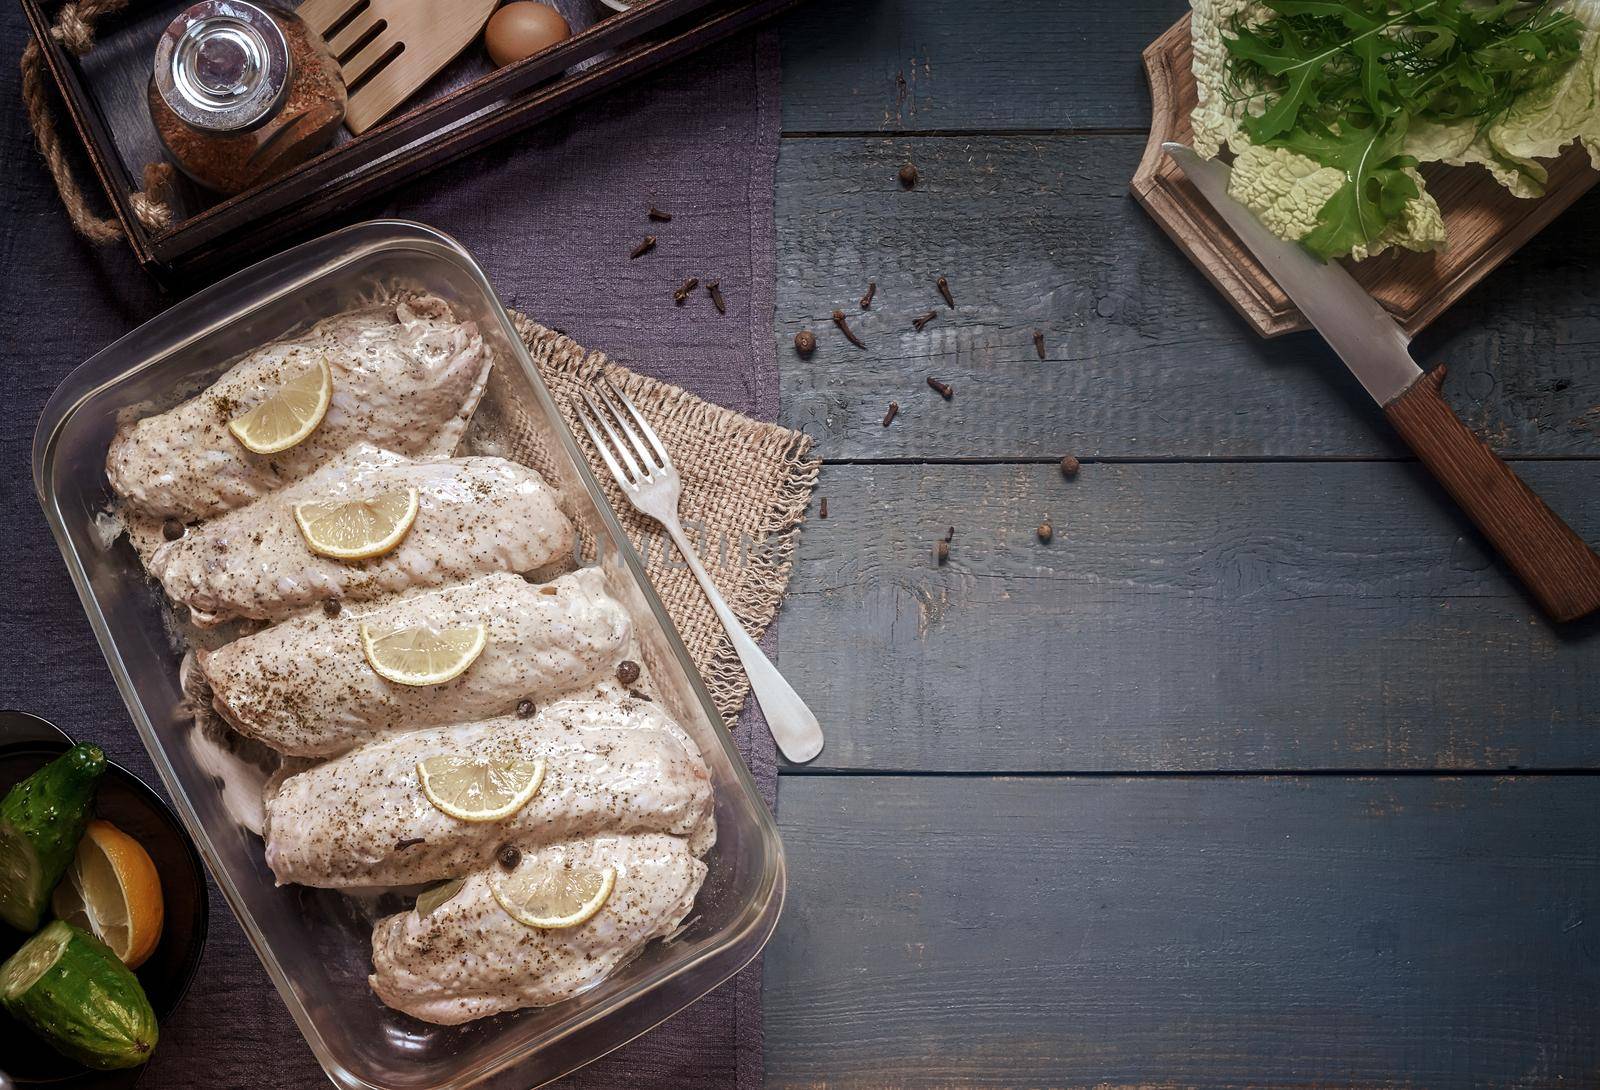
{"x":434,"y":896}
{"x":423,"y":656}
{"x":357,"y":529}
{"x":289,"y":415}
{"x":479,"y":789}
{"x":556,"y":896}
{"x":113,"y":891}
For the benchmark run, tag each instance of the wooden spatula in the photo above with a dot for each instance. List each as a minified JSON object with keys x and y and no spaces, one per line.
{"x":389,"y":48}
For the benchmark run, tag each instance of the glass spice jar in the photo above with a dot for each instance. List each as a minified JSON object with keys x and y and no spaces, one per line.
{"x":241,"y":92}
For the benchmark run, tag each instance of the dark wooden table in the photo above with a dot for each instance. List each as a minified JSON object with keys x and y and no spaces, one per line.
{"x":1263,"y":772}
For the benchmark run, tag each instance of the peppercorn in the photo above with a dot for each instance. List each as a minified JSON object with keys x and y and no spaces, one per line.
{"x":805,"y":342}
{"x":524,"y":708}
{"x":172,"y":529}
{"x":627,"y":671}
{"x":331,"y":606}
{"x":509,"y":856}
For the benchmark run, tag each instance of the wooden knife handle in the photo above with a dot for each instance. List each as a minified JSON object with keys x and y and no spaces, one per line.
{"x":1553,"y":562}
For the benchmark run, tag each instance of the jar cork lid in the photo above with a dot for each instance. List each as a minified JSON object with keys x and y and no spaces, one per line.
{"x":222,"y":66}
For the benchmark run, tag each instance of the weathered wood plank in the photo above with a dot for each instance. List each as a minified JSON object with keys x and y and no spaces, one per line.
{"x":913,"y":65}
{"x":1145,"y":358}
{"x":1205,"y":932}
{"x":1263,"y":616}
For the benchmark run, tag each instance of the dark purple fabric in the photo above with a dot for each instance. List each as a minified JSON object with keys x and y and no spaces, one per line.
{"x":552,"y":216}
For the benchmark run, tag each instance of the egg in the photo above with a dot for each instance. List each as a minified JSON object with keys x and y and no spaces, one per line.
{"x":522,"y":29}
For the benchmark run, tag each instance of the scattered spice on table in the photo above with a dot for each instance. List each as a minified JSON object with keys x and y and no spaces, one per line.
{"x":921,"y":320}
{"x":683,"y":291}
{"x":944,"y":289}
{"x":1045,"y":532}
{"x":1038,"y":342}
{"x":945,"y":390}
{"x":1070,"y":466}
{"x":627,"y":671}
{"x":872,"y":289}
{"x":844,"y":327}
{"x":909,"y":176}
{"x":714,"y":289}
{"x":644,"y":247}
{"x":888,"y":417}
{"x":805,"y":342}
{"x":658,"y":215}
{"x":823,"y":511}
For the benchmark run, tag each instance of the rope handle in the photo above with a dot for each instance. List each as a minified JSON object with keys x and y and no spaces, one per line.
{"x":74,"y":29}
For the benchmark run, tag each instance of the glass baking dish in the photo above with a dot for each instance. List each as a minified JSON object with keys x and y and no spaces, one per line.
{"x":315,"y":944}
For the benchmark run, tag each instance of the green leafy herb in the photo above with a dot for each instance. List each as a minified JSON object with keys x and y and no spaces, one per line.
{"x":1345,"y":79}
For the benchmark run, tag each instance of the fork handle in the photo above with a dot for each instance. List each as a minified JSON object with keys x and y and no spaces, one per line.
{"x":794,"y":727}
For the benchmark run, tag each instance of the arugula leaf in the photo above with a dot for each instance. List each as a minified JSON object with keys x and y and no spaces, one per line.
{"x":1345,"y":79}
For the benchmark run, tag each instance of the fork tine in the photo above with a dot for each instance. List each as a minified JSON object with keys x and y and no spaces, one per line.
{"x":605,"y":453}
{"x":650,"y":433}
{"x":619,"y":447}
{"x":639,"y":445}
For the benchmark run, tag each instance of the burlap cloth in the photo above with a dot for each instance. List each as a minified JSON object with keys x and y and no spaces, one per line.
{"x":746,"y":485}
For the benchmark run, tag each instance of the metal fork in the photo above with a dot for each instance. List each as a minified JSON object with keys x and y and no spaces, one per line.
{"x":647,"y":477}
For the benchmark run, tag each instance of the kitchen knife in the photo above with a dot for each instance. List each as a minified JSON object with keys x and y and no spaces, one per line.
{"x":1562,"y":572}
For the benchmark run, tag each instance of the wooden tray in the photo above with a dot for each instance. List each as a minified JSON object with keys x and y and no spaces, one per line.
{"x":1485,"y":224}
{"x":466,"y":107}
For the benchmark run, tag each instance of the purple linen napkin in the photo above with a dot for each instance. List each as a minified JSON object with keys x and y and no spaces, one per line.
{"x":552,"y":215}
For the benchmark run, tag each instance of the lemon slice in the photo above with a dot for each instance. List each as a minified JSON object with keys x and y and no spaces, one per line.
{"x":289,"y":415}
{"x":479,"y":789}
{"x":113,"y":891}
{"x":357,"y":529}
{"x":556,"y":896}
{"x":434,"y":896}
{"x":423,"y":656}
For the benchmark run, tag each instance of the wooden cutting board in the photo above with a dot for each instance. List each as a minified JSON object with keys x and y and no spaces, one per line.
{"x":1484,"y":223}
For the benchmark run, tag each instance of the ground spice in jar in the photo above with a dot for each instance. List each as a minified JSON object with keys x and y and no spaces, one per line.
{"x":258,"y":93}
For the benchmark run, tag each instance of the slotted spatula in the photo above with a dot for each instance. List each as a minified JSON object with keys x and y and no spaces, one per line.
{"x":389,"y":48}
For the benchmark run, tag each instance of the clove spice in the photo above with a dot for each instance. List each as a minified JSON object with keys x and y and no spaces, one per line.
{"x":823,"y":512}
{"x":408,"y":842}
{"x":944,"y":289}
{"x":921,"y":320}
{"x":683,"y":292}
{"x":644,"y":247}
{"x":658,"y":215}
{"x":945,"y":390}
{"x":941,"y":551}
{"x":805,"y":342}
{"x":888,"y":417}
{"x":714,"y":289}
{"x":872,"y":289}
{"x":844,"y":327}
{"x":1038,"y":342}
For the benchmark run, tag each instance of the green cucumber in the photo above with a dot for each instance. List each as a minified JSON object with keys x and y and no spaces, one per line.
{"x":41,"y":821}
{"x":69,"y":988}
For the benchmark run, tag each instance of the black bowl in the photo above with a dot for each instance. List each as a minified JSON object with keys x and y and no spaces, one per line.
{"x":26,"y":744}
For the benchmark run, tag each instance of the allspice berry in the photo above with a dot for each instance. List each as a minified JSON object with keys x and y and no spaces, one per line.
{"x":1070,"y":466}
{"x":805,"y":342}
{"x":1045,"y":532}
{"x":908,"y":176}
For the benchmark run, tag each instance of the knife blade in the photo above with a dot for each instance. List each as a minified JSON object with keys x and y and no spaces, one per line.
{"x":1364,"y":335}
{"x":1557,"y":567}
